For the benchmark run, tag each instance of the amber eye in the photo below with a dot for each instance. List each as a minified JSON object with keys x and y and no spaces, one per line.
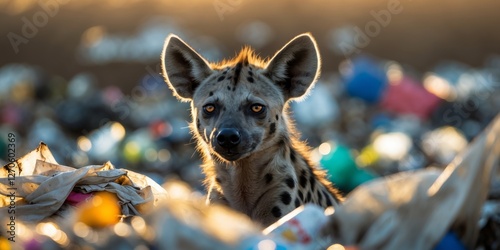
{"x":209,"y":108}
{"x":257,"y":108}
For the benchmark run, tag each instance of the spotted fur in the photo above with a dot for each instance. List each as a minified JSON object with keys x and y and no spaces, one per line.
{"x":253,"y":159}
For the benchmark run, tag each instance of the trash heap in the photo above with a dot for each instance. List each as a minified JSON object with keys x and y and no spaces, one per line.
{"x":377,"y":118}
{"x":51,"y":206}
{"x":101,"y":207}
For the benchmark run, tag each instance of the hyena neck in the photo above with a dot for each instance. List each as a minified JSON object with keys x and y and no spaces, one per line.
{"x":243,"y":182}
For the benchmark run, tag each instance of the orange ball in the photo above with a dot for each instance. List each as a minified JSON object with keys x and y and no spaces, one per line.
{"x":100,"y":211}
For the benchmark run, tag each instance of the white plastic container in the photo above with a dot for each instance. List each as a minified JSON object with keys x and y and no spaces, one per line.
{"x":300,"y":228}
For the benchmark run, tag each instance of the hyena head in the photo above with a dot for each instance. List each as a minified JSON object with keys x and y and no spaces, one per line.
{"x":239,"y":106}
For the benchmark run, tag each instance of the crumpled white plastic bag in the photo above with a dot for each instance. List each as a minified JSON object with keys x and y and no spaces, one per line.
{"x":40,"y":186}
{"x":414,"y":210}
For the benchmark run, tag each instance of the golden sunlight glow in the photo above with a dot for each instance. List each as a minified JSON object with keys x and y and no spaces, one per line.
{"x":139,"y":225}
{"x":23,"y":232}
{"x":48,"y":229}
{"x":266,"y":245}
{"x":325,"y":148}
{"x":394,"y":73}
{"x":17,"y":7}
{"x":177,"y":190}
{"x":454,"y":138}
{"x":149,"y":234}
{"x":329,"y":211}
{"x":440,"y":87}
{"x":117,"y":131}
{"x":84,"y":143}
{"x":444,"y":143}
{"x":393,"y":145}
{"x":121,"y":229}
{"x":336,"y":247}
{"x":81,"y":230}
{"x":61,"y":238}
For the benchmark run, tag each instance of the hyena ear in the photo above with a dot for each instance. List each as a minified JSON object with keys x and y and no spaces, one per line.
{"x":183,"y":68}
{"x":296,"y":66}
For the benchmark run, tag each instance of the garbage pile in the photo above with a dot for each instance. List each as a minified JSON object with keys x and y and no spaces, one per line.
{"x":377,"y":118}
{"x":49,"y":206}
{"x":377,"y":113}
{"x":85,"y":124}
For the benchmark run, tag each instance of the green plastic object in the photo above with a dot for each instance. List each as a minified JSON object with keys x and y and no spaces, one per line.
{"x":360,"y":177}
{"x":342,"y":169}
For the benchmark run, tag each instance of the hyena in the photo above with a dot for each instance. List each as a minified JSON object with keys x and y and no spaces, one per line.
{"x":254,"y":161}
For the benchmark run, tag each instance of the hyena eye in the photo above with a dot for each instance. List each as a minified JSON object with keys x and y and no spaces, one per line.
{"x":257,"y":108}
{"x":209,"y":109}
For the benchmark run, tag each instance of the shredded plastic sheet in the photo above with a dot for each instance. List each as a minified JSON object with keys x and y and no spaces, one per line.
{"x":414,"y":210}
{"x":40,"y":186}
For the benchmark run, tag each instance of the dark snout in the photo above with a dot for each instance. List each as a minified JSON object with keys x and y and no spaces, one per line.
{"x":228,"y":138}
{"x":228,"y":143}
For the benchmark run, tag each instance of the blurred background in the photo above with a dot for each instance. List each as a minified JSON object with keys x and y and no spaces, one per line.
{"x":405,"y":84}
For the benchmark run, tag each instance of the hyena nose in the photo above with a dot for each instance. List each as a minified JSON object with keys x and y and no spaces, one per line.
{"x":228,"y":138}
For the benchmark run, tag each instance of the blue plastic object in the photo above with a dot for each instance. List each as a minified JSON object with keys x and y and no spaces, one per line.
{"x":450,"y":242}
{"x":366,"y":79}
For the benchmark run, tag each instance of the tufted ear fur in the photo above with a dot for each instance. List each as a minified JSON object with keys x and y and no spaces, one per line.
{"x":183,"y":68}
{"x":296,"y":66}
